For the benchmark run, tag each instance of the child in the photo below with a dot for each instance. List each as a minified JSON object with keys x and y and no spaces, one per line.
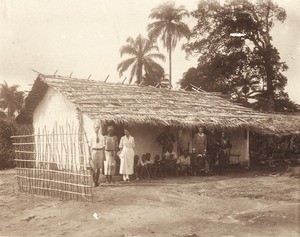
{"x":170,"y":161}
{"x":157,"y":166}
{"x":150,"y":165}
{"x":146,"y":166}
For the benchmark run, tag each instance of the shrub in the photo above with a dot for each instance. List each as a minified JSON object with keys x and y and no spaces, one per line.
{"x":7,"y":154}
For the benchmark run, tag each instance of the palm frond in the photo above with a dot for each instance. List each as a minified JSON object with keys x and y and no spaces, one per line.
{"x":156,"y":55}
{"x":133,"y":72}
{"x":144,"y":50}
{"x":153,"y":66}
{"x":155,"y":29}
{"x":130,"y":40}
{"x":128,"y":49}
{"x":168,"y":24}
{"x":124,"y":65}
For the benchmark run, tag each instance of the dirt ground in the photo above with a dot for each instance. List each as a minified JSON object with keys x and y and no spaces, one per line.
{"x":236,"y":204}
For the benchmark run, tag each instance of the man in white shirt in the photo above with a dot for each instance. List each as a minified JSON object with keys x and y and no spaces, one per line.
{"x":183,"y":163}
{"x":96,"y":144}
{"x":169,"y":162}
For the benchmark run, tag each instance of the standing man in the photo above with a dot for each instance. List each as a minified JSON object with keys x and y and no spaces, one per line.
{"x":200,"y":144}
{"x":96,"y":144}
{"x":111,"y":146}
{"x":224,"y":153}
{"x":212,"y":151}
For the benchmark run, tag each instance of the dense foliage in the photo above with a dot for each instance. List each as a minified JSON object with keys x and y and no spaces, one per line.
{"x":11,"y":99}
{"x":236,"y":54}
{"x":267,"y":148}
{"x":7,"y":154}
{"x":142,"y":52}
{"x":169,"y":27}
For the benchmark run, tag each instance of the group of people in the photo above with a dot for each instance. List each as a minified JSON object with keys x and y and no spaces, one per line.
{"x":204,"y":157}
{"x":205,"y":154}
{"x":104,"y":152}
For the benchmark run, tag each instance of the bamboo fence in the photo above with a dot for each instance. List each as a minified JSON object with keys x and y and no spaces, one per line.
{"x":54,"y":164}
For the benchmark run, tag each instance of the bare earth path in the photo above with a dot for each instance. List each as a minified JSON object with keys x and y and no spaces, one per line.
{"x":247,"y":204}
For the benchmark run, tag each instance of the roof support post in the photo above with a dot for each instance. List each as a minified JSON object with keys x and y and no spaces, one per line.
{"x":247,"y":144}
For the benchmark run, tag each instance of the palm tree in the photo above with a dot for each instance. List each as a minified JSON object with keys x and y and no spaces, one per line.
{"x":169,"y":26}
{"x":11,"y":99}
{"x":143,"y":51}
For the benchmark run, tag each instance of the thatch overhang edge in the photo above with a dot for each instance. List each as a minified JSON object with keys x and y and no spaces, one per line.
{"x":108,"y":102}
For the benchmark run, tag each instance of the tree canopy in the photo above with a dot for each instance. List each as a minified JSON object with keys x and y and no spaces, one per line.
{"x":11,"y":100}
{"x":236,"y":53}
{"x":143,"y":67}
{"x":169,"y":26}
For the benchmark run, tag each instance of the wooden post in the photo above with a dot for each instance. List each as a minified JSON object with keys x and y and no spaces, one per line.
{"x":247,"y":145}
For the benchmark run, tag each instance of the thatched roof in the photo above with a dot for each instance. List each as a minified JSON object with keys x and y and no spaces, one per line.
{"x":134,"y":104}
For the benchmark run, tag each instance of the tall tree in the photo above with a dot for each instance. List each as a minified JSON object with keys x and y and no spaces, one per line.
{"x":143,"y":51}
{"x":235,"y":46}
{"x":169,"y":26}
{"x":11,"y":99}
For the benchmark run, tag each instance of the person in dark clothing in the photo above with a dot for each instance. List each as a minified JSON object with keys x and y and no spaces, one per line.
{"x":224,"y":152}
{"x":195,"y":169}
{"x":212,"y":151}
{"x":170,"y":159}
{"x":157,"y":167}
{"x":166,"y":139}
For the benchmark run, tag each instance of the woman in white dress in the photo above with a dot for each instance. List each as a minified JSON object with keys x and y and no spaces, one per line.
{"x":126,"y":155}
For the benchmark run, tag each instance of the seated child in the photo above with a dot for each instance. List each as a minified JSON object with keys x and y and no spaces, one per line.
{"x":202,"y":163}
{"x":150,"y":164}
{"x":139,"y":167}
{"x":146,"y":166}
{"x":157,"y":167}
{"x":170,"y":161}
{"x":183,"y":163}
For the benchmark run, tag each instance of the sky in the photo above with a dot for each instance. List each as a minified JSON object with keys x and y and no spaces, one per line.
{"x":84,"y":37}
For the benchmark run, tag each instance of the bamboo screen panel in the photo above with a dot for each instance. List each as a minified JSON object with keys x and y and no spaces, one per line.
{"x":53,"y":165}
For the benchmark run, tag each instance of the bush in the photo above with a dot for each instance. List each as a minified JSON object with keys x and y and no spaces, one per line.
{"x":7,"y":154}
{"x":267,"y":149}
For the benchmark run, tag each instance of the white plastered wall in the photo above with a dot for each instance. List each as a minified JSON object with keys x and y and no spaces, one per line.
{"x":55,"y":116}
{"x":88,"y":125}
{"x":240,"y":146}
{"x":54,"y":110}
{"x":145,"y":139}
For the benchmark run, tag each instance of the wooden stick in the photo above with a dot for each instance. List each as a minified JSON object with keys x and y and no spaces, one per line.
{"x":19,"y":136}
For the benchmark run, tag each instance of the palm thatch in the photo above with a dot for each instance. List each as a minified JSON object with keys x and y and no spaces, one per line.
{"x":133,"y":104}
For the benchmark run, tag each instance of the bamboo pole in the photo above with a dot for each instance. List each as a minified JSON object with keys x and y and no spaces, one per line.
{"x":46,"y":181}
{"x":44,"y":162}
{"x":66,"y":139}
{"x":18,"y":136}
{"x":73,"y":157}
